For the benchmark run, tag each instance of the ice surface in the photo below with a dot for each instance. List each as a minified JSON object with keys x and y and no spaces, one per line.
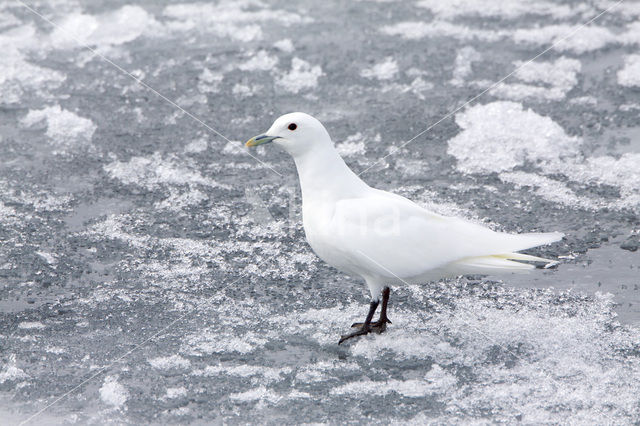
{"x":503,"y":135}
{"x":19,"y":76}
{"x":415,"y":30}
{"x":590,"y":37}
{"x":259,"y":61}
{"x":120,"y":26}
{"x":465,"y":58}
{"x":510,"y":9}
{"x":113,"y":393}
{"x":302,"y":76}
{"x":125,"y":224}
{"x":383,"y":71}
{"x":629,"y":75}
{"x":236,"y":19}
{"x":65,"y":129}
{"x":556,"y":79}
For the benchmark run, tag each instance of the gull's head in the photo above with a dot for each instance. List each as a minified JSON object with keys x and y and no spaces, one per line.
{"x":297,"y":133}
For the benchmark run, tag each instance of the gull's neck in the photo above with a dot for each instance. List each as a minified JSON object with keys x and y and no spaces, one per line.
{"x":324,"y":176}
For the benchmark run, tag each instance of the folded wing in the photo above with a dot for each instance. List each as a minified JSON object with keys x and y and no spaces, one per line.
{"x":397,"y":238}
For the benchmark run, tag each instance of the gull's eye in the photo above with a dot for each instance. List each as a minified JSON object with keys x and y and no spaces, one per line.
{"x":293,"y":126}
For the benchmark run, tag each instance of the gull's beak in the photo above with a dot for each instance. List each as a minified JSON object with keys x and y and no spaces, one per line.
{"x":259,"y":140}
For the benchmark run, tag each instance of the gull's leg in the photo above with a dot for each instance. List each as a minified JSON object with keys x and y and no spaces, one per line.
{"x":380,"y":325}
{"x":365,"y":329}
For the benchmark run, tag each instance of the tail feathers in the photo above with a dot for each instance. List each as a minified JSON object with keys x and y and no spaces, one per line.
{"x":522,"y":256}
{"x":497,"y":263}
{"x":525,"y":241}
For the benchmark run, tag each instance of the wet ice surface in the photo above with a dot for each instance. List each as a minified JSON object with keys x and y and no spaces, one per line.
{"x":124,"y":222}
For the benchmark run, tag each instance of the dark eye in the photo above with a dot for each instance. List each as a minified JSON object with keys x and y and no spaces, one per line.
{"x":293,"y":126}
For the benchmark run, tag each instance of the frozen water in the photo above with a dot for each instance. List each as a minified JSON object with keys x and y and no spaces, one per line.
{"x":630,"y":75}
{"x":124,"y":222}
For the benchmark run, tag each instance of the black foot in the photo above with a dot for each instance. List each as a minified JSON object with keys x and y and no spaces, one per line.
{"x":381,"y":325}
{"x":359,"y":332}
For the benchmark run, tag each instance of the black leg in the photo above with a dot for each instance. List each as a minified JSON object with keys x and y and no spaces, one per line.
{"x":380,"y":325}
{"x":365,"y":329}
{"x":383,"y":311}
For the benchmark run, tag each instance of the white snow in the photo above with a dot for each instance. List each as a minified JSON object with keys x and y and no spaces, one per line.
{"x":211,"y":342}
{"x":505,"y":9}
{"x":245,"y":90}
{"x":629,"y":75}
{"x":260,"y":61}
{"x":259,"y":393}
{"x":385,"y":70}
{"x":196,"y":146}
{"x":302,"y":76}
{"x":465,"y":58}
{"x":31,"y":325}
{"x":48,"y":257}
{"x":555,"y":80}
{"x":176,"y":392}
{"x":587,"y":39}
{"x":154,"y":171}
{"x":436,"y":381}
{"x":502,"y":136}
{"x":354,"y":145}
{"x":113,"y":393}
{"x":170,"y":362}
{"x":178,"y":200}
{"x":285,"y":45}
{"x":268,"y":374}
{"x":65,"y":129}
{"x":414,"y":30}
{"x":11,"y":372}
{"x":208,"y":81}
{"x":238,"y":20}
{"x":17,"y":74}
{"x":112,"y":28}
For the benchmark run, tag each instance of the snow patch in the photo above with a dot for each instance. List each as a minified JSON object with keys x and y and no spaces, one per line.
{"x":170,"y":362}
{"x":302,"y":76}
{"x":352,"y":146}
{"x":385,"y":70}
{"x":110,"y":29}
{"x":629,"y":75}
{"x":587,"y":39}
{"x":64,"y":128}
{"x":154,"y":172}
{"x":239,"y":20}
{"x":176,"y":392}
{"x":17,"y":75}
{"x":11,"y":372}
{"x":257,"y":394}
{"x":437,"y":381}
{"x":412,"y":30}
{"x":501,"y":136}
{"x":261,"y":61}
{"x":113,"y":393}
{"x":504,"y":9}
{"x":556,"y":79}
{"x":285,"y":45}
{"x":31,"y":325}
{"x":197,"y":146}
{"x":462,"y":68}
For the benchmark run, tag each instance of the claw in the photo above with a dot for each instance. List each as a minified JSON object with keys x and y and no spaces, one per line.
{"x":378,"y":323}
{"x":360,"y":332}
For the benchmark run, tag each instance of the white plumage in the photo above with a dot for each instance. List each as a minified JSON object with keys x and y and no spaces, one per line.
{"x":379,"y":236}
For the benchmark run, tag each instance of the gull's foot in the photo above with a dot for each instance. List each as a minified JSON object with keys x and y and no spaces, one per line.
{"x":381,"y":324}
{"x":359,"y":332}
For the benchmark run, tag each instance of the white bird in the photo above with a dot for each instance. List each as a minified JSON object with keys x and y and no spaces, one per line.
{"x":381,"y":237}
